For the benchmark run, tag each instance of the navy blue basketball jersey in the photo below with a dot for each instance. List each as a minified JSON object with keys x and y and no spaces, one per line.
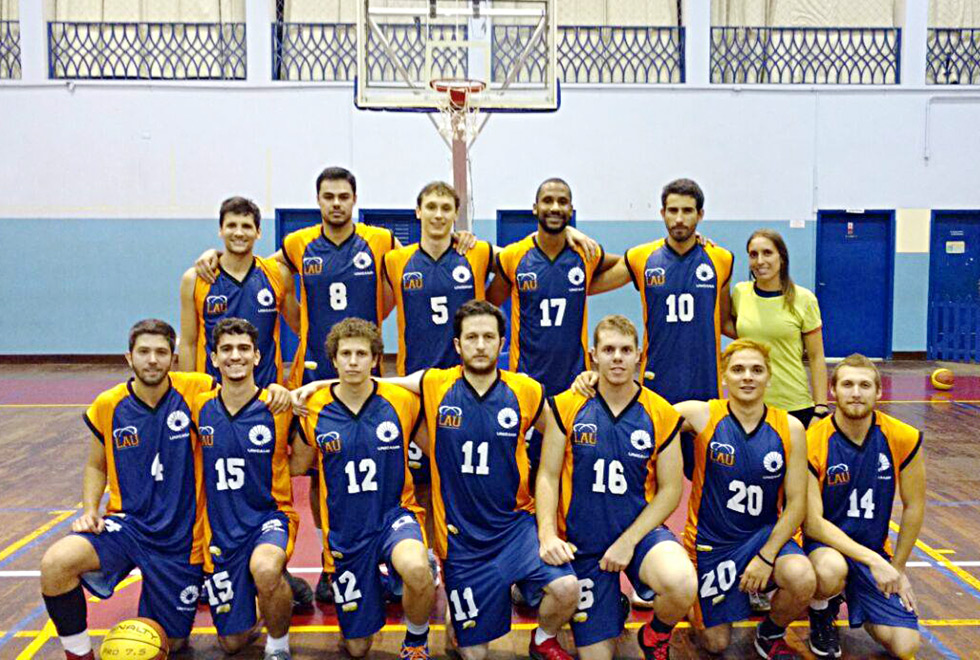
{"x":548,"y":324}
{"x":427,"y":294}
{"x":257,"y":298}
{"x":681,"y":299}
{"x":336,"y":282}
{"x":609,"y":474}
{"x":150,"y":460}
{"x":859,"y":482}
{"x":244,"y":462}
{"x":363,"y":461}
{"x":479,"y":458}
{"x":737,"y":485}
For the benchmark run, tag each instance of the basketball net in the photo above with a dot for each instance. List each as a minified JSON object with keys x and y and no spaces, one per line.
{"x":459,"y":125}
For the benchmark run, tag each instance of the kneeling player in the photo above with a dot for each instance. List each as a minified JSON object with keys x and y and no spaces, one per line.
{"x":360,"y":430}
{"x":621,"y":477}
{"x":250,"y":524}
{"x":747,"y":458}
{"x":857,"y":460}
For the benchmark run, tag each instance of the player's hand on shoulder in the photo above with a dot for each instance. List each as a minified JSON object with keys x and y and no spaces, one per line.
{"x":585,"y":384}
{"x":703,"y":240}
{"x":301,"y":395}
{"x":206,"y":266}
{"x":756,"y":576}
{"x":617,"y":556}
{"x":465,"y":241}
{"x":555,"y":551}
{"x":88,"y":522}
{"x":279,"y":399}
{"x":588,"y":245}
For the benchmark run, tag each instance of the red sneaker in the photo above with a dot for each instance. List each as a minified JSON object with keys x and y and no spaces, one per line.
{"x":550,"y":650}
{"x":88,"y":656}
{"x":655,"y":646}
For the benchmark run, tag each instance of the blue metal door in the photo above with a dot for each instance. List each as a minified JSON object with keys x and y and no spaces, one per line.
{"x":855,"y":271}
{"x":402,"y":222}
{"x":954,"y":286}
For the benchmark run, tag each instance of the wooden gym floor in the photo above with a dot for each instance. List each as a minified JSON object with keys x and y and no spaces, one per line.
{"x":44,"y":444}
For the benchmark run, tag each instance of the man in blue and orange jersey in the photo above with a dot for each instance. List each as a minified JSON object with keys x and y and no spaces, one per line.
{"x":748,"y":498}
{"x":358,"y":430}
{"x":142,"y":449}
{"x":859,"y":457}
{"x":246,"y":286}
{"x":611,"y":467}
{"x":547,"y":279}
{"x":476,"y":419}
{"x":241,"y":453}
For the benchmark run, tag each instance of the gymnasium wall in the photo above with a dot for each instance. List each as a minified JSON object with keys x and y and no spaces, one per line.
{"x":108,"y":192}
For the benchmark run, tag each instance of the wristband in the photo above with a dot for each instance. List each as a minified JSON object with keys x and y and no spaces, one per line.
{"x":765,"y":561}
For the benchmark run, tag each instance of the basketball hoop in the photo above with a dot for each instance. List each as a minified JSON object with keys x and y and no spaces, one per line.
{"x":459,"y":116}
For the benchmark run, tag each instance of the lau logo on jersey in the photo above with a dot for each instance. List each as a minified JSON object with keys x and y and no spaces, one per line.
{"x":312,"y":266}
{"x":838,"y":475}
{"x":450,"y":417}
{"x":722,"y":453}
{"x":412,"y":281}
{"x":527,"y":282}
{"x":215,"y":305}
{"x":207,"y":436}
{"x":329,"y":442}
{"x":126,"y":437}
{"x":655,"y":276}
{"x":584,"y":434}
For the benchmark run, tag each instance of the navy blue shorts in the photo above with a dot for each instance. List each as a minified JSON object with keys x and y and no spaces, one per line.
{"x":171,"y":584}
{"x":358,"y":585}
{"x":478,"y":589}
{"x":599,"y":616}
{"x":230,"y":588}
{"x":719,"y":573}
{"x":865,"y":602}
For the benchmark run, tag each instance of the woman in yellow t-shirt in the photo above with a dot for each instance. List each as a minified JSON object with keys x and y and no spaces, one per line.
{"x":774,"y":310}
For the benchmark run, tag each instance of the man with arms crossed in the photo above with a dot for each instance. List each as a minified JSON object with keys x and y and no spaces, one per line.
{"x":858,"y":458}
{"x":748,"y":498}
{"x":358,"y":431}
{"x":620,"y":478}
{"x":242,"y":450}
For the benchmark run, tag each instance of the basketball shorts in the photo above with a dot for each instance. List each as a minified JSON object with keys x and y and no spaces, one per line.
{"x":171,"y":584}
{"x":230,"y":588}
{"x":719,"y":573}
{"x":358,"y":585}
{"x":865,"y":602}
{"x":478,"y":588}
{"x":599,"y":615}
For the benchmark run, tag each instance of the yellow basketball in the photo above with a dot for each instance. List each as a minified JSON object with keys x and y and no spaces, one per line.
{"x":942,"y":379}
{"x":139,"y":639}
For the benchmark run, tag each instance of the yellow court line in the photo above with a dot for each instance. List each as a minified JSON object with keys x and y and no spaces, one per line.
{"x":46,"y":633}
{"x":941,"y":560}
{"x":132,"y":579}
{"x":17,"y":545}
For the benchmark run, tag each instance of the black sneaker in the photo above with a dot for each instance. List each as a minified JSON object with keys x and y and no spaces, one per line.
{"x":775,"y":648}
{"x":324,"y":589}
{"x":824,"y":636}
{"x":302,"y":593}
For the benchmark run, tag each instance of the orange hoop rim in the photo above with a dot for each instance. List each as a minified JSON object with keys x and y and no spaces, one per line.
{"x":458,"y":89}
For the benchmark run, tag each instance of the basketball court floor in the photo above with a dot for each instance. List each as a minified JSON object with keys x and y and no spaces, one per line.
{"x":44,"y":444}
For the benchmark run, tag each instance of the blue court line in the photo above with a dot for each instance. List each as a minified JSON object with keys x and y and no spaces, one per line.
{"x":967,"y":588}
{"x":21,"y":625}
{"x":959,"y":503}
{"x":20,"y":551}
{"x":31,"y":509}
{"x":939,"y":646}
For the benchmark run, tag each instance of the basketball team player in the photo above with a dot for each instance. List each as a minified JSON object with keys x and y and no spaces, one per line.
{"x":249,"y":526}
{"x":611,"y":465}
{"x":246,"y":286}
{"x":358,"y":431}
{"x":748,"y":499}
{"x":859,"y":458}
{"x":142,"y":449}
{"x":476,"y":419}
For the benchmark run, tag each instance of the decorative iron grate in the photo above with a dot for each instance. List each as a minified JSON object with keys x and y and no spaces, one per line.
{"x":9,"y":49}
{"x":780,"y":55}
{"x":953,"y":56}
{"x":147,"y":51}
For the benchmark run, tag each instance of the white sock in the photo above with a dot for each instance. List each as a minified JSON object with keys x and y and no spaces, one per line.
{"x":79,"y":644}
{"x":819,"y":605}
{"x":540,"y":636}
{"x":273,"y":644}
{"x":417,"y":629}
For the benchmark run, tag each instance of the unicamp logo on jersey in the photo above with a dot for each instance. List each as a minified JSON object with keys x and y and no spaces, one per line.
{"x":259,"y":435}
{"x":387,"y":432}
{"x":266,"y":299}
{"x":178,"y":421}
{"x":508,"y":419}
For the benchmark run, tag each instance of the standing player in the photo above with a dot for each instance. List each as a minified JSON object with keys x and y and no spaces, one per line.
{"x":684,"y":291}
{"x":476,"y":418}
{"x":246,"y":286}
{"x":142,"y":448}
{"x":360,"y":430}
{"x":249,"y":525}
{"x":748,"y":498}
{"x":858,"y":458}
{"x":620,"y":476}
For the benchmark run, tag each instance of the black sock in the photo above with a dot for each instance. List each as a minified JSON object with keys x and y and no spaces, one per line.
{"x":68,"y":612}
{"x":770,"y":630}
{"x":416,"y":640}
{"x":659,"y":626}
